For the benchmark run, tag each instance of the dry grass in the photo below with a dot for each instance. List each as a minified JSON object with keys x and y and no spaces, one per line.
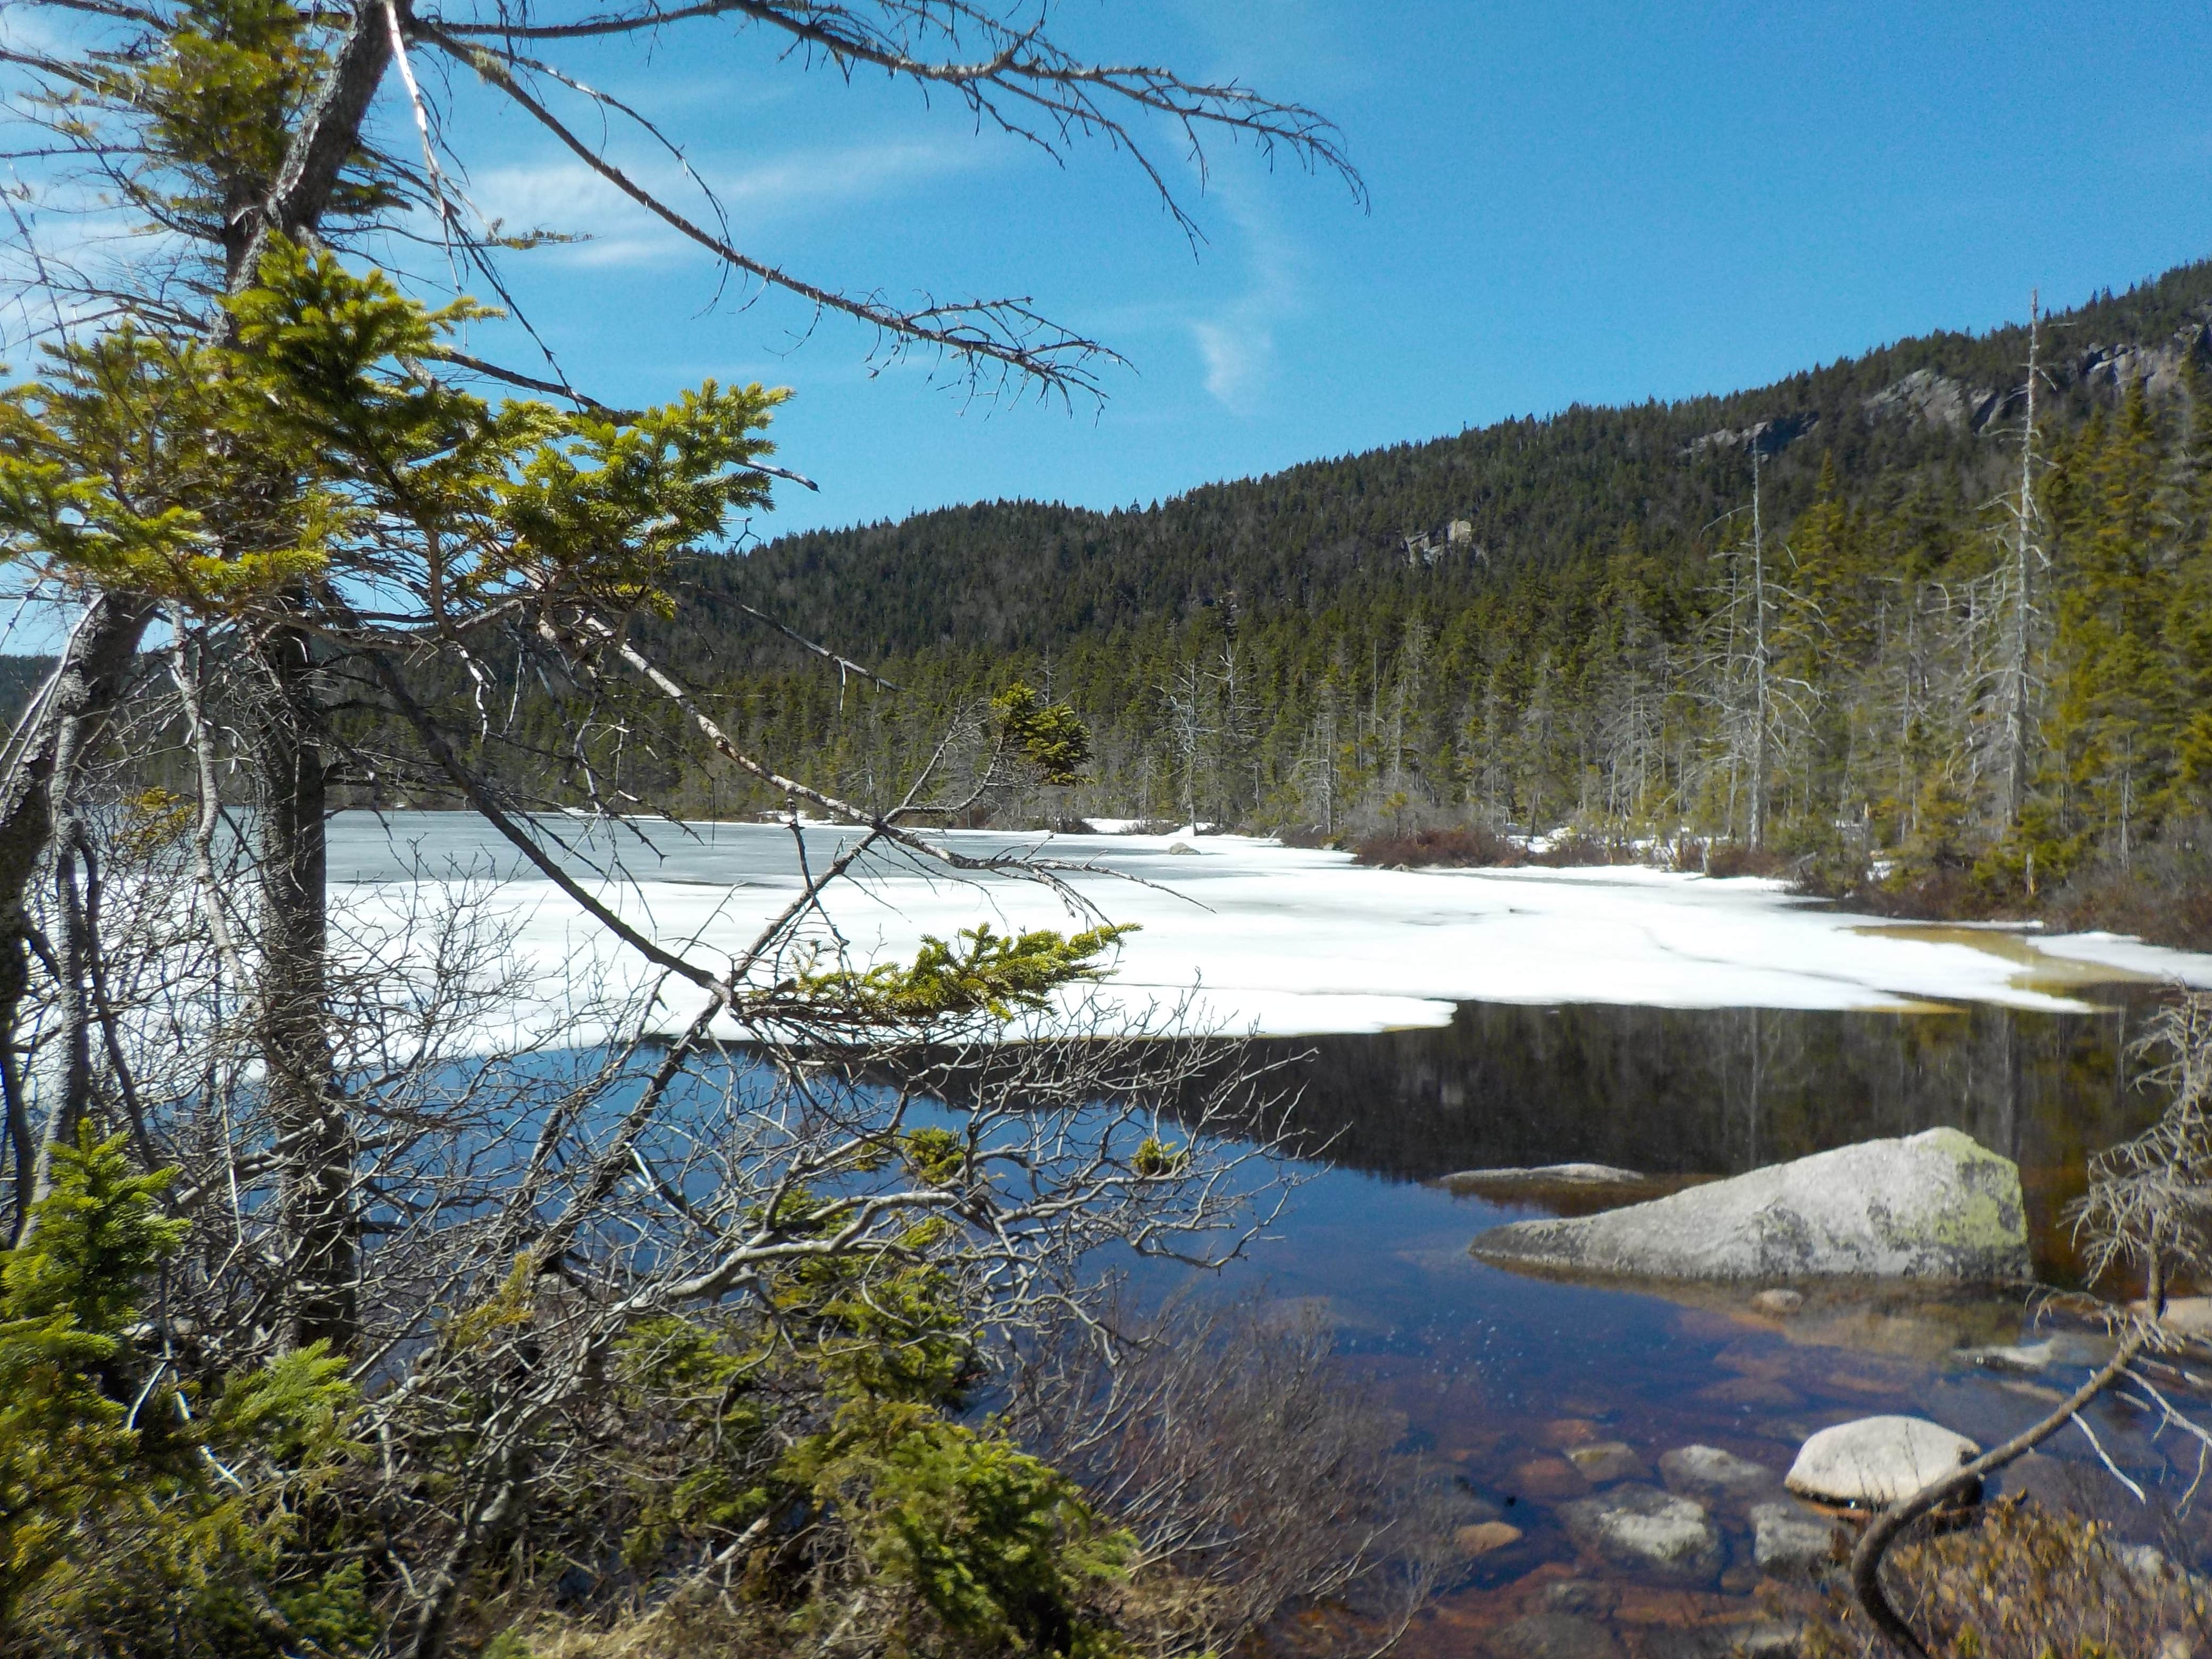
{"x":2162,"y":893}
{"x":2025,"y":1583}
{"x":1471,"y":847}
{"x":1728,"y":858}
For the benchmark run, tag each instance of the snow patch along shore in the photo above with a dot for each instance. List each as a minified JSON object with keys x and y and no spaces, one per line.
{"x":1287,"y":941}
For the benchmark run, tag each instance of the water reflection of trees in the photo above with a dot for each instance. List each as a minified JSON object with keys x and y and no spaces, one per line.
{"x":1705,"y":1090}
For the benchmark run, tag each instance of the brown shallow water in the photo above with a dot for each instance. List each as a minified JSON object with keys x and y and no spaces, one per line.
{"x":1497,"y":1374}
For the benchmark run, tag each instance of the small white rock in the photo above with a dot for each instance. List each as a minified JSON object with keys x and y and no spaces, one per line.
{"x":2143,"y":1562}
{"x":2190,"y":1314}
{"x":2019,"y":1357}
{"x":1874,"y":1461}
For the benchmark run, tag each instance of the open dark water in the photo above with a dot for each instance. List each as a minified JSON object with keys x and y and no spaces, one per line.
{"x":1498,"y":1373}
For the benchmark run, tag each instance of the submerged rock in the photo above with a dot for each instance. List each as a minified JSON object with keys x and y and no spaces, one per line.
{"x":1546,"y":1477}
{"x":1553,"y":1636}
{"x":1564,"y":1189}
{"x":1778,"y":1303}
{"x":1788,"y":1537}
{"x":1589,"y":1595}
{"x":1874,"y":1461}
{"x":1768,"y":1638}
{"x":1546,"y":1175}
{"x":1709,"y":1471}
{"x":1933,"y":1206}
{"x":1606,"y":1461}
{"x":1483,"y":1536}
{"x":1645,"y":1529}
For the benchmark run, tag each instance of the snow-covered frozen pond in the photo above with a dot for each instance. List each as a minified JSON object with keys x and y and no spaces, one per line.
{"x":1277,"y":940}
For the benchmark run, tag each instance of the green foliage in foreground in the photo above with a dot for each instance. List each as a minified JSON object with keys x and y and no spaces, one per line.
{"x":980,"y":971}
{"x":231,"y":477}
{"x":832,"y":1440}
{"x":999,"y":1548}
{"x":832,"y":1449}
{"x":134,"y":1516}
{"x":1050,"y":736}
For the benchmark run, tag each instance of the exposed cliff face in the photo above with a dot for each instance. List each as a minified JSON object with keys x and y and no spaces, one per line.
{"x":1769,"y":437}
{"x":2161,"y":365}
{"x":1933,"y":399}
{"x":1929,"y":397}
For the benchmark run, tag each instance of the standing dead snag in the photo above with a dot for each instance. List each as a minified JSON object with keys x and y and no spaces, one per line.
{"x":2146,"y":1218}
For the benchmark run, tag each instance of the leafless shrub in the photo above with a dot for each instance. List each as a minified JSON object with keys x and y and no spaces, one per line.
{"x":1726,"y":858}
{"x":1469,"y":847}
{"x":2161,"y":892}
{"x":1258,"y":1476}
{"x":2147,"y":1205}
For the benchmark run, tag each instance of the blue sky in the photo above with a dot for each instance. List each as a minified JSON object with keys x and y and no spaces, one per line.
{"x":1570,"y":203}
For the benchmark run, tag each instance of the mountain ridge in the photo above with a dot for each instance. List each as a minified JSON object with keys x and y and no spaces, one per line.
{"x":1529,"y":488}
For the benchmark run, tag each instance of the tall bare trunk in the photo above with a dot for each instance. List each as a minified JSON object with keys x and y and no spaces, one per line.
{"x":1762,"y":713}
{"x":320,"y":1228}
{"x":2020,"y":640}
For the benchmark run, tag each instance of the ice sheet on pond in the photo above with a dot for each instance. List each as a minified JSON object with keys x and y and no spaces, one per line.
{"x":1288,"y":941}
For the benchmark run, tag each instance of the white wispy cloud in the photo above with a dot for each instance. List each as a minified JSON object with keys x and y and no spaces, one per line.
{"x":568,"y":197}
{"x":1236,"y":341}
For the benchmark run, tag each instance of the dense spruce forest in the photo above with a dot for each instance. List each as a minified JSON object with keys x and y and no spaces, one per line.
{"x":1862,"y":623}
{"x":1809,"y":619}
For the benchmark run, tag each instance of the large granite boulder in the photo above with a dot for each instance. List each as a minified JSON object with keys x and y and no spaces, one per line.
{"x":1933,"y":1206}
{"x":1872,"y":1462}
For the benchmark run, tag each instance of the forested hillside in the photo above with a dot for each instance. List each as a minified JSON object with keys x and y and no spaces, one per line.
{"x":1583,"y":619}
{"x":1871,"y":663}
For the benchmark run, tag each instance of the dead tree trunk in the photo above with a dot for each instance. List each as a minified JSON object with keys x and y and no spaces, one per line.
{"x":307,"y":1107}
{"x":58,"y":733}
{"x":1762,"y":711}
{"x":2018,"y":670}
